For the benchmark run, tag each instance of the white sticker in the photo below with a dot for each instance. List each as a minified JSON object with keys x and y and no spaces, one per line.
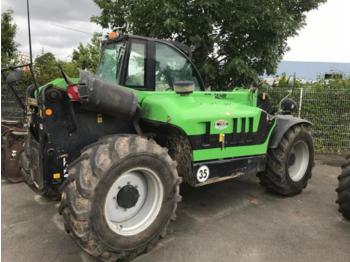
{"x":221,"y":124}
{"x":202,"y":174}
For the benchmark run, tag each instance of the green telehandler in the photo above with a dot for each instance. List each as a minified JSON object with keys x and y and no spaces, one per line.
{"x":115,"y":146}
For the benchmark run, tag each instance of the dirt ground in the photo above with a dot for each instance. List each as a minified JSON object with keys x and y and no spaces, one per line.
{"x":235,"y":220}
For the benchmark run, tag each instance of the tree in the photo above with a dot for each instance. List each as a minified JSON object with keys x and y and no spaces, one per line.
{"x":87,"y":56}
{"x":8,"y":44}
{"x":46,"y":67}
{"x":232,"y":41}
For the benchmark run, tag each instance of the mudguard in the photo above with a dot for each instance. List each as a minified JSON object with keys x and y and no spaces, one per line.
{"x":283,"y":124}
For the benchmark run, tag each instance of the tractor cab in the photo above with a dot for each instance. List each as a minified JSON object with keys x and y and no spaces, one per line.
{"x":146,"y":64}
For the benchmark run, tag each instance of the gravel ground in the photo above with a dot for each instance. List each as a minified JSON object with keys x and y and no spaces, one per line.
{"x":235,"y":220}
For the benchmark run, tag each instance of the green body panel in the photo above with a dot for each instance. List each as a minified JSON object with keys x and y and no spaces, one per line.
{"x":229,"y":152}
{"x":191,"y":112}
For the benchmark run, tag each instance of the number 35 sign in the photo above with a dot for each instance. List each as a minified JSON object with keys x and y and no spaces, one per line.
{"x":202,"y":174}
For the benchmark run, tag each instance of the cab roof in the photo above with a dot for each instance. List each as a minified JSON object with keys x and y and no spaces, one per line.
{"x":183,"y":47}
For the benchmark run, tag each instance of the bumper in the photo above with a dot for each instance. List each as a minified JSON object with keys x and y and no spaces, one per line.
{"x":209,"y":172}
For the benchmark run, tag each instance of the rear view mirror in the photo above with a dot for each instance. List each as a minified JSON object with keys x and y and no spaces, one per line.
{"x":14,"y":76}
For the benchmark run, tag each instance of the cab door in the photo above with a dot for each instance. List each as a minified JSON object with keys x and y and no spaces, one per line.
{"x":135,"y":73}
{"x":170,"y":66}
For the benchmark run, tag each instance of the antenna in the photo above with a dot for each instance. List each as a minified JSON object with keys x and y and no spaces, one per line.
{"x":30,"y":48}
{"x":30,"y":36}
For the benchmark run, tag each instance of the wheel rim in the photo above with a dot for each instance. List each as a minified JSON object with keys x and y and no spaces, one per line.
{"x":298,"y":161}
{"x":133,"y":201}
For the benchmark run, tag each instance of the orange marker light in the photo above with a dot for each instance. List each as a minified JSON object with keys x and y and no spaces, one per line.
{"x":48,"y":112}
{"x":56,"y":175}
{"x":113,"y":35}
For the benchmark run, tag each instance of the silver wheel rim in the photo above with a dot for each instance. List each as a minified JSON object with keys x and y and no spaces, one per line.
{"x":133,"y":220}
{"x":298,"y":161}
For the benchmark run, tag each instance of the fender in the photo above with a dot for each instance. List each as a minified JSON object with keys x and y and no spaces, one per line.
{"x":283,"y":124}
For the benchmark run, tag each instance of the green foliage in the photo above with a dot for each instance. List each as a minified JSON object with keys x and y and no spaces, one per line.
{"x":46,"y":68}
{"x":332,"y":84}
{"x":284,"y":81}
{"x":84,"y":57}
{"x":8,"y":44}
{"x":232,"y":41}
{"x":87,"y":56}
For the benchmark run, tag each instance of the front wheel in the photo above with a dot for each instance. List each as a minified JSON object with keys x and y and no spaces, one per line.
{"x":121,"y":194}
{"x":289,"y":166}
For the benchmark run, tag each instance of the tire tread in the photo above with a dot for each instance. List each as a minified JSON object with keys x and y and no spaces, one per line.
{"x":274,"y":178}
{"x":343,"y":189}
{"x":78,"y":193}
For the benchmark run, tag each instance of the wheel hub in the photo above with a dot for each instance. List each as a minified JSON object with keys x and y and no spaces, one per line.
{"x":298,"y":161}
{"x":133,"y":201}
{"x":128,"y":196}
{"x":291,"y":159}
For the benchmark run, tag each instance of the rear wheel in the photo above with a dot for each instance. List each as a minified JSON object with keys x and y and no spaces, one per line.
{"x":343,"y":189}
{"x":120,"y":196}
{"x":11,"y":150}
{"x":29,"y":166}
{"x":289,"y":165}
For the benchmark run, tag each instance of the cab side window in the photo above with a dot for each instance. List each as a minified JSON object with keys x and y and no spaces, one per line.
{"x":172,"y":66}
{"x":136,"y":67}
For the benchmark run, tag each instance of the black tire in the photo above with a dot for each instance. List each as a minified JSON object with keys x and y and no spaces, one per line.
{"x":26,"y":166}
{"x":343,"y":189}
{"x":14,"y":176}
{"x":180,"y":151}
{"x":276,"y":177}
{"x":90,"y":178}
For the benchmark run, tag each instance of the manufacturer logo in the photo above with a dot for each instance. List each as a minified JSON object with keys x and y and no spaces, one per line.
{"x":221,"y":124}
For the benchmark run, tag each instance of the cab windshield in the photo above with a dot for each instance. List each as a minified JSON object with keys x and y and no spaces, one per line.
{"x":108,"y":68}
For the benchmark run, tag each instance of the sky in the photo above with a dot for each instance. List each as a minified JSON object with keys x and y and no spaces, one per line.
{"x":325,"y":38}
{"x":49,"y":22}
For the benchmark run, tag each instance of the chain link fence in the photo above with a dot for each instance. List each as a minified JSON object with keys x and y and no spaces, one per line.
{"x":328,"y":109}
{"x":10,"y":108}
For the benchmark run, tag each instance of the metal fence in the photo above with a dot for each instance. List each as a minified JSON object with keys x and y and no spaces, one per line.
{"x":9,"y":106}
{"x":327,"y":109}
